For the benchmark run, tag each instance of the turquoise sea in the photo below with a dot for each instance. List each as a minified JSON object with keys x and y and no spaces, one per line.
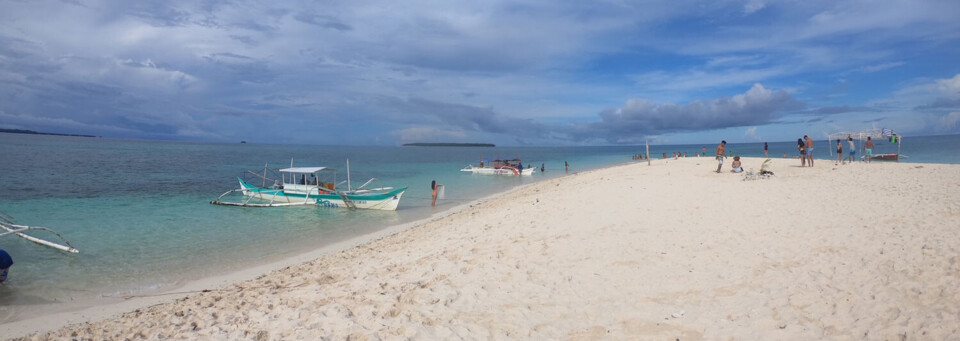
{"x":139,"y":211}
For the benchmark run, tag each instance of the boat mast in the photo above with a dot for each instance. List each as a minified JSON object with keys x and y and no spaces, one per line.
{"x":348,"y":176}
{"x":264,"y":176}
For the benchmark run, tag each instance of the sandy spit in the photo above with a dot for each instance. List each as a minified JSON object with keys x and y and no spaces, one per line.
{"x":671,"y":251}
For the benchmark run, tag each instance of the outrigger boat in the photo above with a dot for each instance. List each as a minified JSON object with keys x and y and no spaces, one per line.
{"x":8,"y":227}
{"x":499,"y":167}
{"x":313,"y":186}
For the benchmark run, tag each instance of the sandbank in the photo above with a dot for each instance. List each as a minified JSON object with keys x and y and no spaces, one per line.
{"x":671,"y":250}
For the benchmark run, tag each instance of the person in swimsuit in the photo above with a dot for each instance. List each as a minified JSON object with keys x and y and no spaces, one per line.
{"x":868,"y":146}
{"x":720,"y":154}
{"x":839,"y":152}
{"x":765,"y":147}
{"x":809,"y":149}
{"x":803,"y":152}
{"x":852,"y":153}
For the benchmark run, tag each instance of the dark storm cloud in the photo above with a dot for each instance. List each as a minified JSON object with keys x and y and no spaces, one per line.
{"x":640,"y":117}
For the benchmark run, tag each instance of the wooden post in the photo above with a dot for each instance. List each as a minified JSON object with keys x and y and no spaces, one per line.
{"x":647,"y":142}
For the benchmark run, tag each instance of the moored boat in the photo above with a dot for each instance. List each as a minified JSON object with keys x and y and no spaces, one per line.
{"x":313,"y":186}
{"x":499,"y":167}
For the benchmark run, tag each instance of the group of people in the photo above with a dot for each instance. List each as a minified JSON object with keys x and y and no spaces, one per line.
{"x":852,"y":152}
{"x":805,"y":145}
{"x":736,"y":167}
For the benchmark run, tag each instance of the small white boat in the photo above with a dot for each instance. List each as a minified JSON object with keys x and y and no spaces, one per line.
{"x":313,"y":186}
{"x":499,"y":167}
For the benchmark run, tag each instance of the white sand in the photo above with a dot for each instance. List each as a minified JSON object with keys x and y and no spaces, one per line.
{"x":668,"y":251}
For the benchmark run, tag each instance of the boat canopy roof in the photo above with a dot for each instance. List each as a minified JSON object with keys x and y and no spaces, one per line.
{"x":874,"y":133}
{"x":302,"y":169}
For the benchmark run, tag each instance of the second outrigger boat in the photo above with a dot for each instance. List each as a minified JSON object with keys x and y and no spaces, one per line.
{"x":312,"y":186}
{"x":499,"y":167}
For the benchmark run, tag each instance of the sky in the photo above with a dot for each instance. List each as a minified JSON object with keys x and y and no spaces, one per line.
{"x":524,"y":73}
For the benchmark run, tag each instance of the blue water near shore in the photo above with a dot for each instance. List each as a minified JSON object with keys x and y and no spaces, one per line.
{"x":139,"y":211}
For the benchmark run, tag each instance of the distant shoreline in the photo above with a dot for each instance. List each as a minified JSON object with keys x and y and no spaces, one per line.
{"x":420,"y":144}
{"x":31,"y":132}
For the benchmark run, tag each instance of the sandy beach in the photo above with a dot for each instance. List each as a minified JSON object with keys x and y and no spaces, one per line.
{"x":671,"y":251}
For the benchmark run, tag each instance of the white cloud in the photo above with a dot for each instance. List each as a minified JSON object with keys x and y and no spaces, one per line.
{"x":752,"y":6}
{"x":949,"y":122}
{"x":880,"y":67}
{"x":751,"y":134}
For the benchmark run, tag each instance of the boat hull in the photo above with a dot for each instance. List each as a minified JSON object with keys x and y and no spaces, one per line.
{"x":376,"y":199}
{"x":884,"y":157}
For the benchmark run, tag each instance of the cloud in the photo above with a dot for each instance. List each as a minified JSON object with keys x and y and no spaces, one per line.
{"x":941,"y":103}
{"x":839,"y":109}
{"x":639,"y":117}
{"x":429,"y":134}
{"x":322,"y":21}
{"x":752,"y":6}
{"x":880,"y":67}
{"x":949,"y":122}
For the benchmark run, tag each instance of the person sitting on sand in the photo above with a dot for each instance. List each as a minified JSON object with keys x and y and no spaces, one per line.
{"x":736,"y":165}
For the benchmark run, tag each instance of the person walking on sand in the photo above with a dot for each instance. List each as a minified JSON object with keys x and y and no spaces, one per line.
{"x":765,"y":148}
{"x":839,"y":152}
{"x":868,"y":148}
{"x":720,"y":154}
{"x":803,"y":152}
{"x":809,"y":149}
{"x":852,"y":154}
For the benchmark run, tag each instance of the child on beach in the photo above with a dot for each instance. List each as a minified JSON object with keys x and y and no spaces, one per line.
{"x":736,"y":165}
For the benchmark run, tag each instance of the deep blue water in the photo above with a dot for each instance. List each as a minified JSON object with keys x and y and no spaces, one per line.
{"x":139,"y":210}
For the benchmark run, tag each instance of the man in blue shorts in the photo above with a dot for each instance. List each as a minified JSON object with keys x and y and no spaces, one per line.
{"x":852,"y":154}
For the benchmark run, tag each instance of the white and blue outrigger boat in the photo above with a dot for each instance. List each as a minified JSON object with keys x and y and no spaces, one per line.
{"x":312,"y":186}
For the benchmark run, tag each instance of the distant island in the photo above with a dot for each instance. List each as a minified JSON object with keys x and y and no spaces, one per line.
{"x":444,"y":144}
{"x":31,"y":132}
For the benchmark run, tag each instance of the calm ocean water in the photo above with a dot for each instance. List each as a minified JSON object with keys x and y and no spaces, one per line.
{"x":139,"y":211}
